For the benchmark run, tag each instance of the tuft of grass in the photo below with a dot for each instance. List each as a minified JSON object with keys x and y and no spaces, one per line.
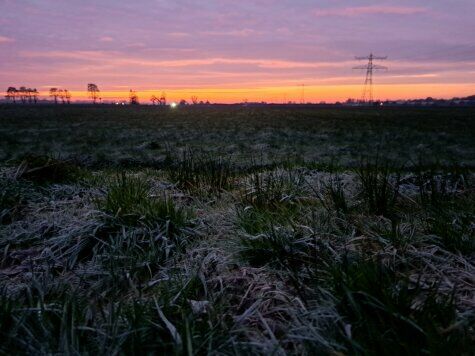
{"x":379,"y":186}
{"x":270,"y":200}
{"x":129,"y":203}
{"x":45,"y":169}
{"x":447,"y":200}
{"x":201,"y":171}
{"x":272,"y":189}
{"x":388,"y":315}
{"x":64,"y":320}
{"x":336,"y":199}
{"x":454,"y":227}
{"x":285,"y":248}
{"x":11,"y":201}
{"x":438,"y":184}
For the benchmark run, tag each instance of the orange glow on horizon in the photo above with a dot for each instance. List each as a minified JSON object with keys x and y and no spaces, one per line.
{"x":284,"y":94}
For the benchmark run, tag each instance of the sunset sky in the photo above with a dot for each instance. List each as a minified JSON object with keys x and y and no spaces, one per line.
{"x":228,"y":50}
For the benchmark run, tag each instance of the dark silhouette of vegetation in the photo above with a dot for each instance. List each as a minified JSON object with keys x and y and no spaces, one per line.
{"x":160,"y":101}
{"x":133,"y":98}
{"x":26,"y":95}
{"x":65,"y":96}
{"x":54,"y":93}
{"x":154,"y":99}
{"x":163,"y":99}
{"x":93,"y":91}
{"x":11,"y":94}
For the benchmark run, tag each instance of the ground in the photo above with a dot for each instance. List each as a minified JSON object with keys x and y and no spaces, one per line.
{"x":237,"y":230}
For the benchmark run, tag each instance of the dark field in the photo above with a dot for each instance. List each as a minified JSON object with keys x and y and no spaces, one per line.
{"x":237,"y":230}
{"x":99,"y":136}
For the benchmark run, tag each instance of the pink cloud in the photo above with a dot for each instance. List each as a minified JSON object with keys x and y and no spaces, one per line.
{"x":4,"y":39}
{"x":370,"y":10}
{"x":106,"y":39}
{"x":114,"y":58}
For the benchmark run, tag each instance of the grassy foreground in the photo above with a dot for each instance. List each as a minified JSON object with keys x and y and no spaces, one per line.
{"x":237,"y":231}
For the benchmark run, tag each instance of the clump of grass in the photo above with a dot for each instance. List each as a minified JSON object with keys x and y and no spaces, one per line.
{"x":44,"y":170}
{"x":131,"y":258}
{"x":388,"y":315}
{"x":335,"y":197}
{"x":129,"y":203}
{"x":438,"y":184}
{"x":446,"y":199}
{"x":270,"y":200}
{"x":201,"y":171}
{"x":454,"y":225}
{"x":11,"y":201}
{"x":272,"y":189}
{"x":64,"y":320}
{"x":379,"y":186}
{"x":285,"y":248}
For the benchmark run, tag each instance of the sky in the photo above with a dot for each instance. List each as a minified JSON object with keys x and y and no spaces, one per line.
{"x":230,"y":51}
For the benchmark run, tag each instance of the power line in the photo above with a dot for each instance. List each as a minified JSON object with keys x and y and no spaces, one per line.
{"x":367,"y":95}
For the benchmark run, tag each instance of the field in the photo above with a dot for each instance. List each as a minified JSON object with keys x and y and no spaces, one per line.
{"x":237,"y":230}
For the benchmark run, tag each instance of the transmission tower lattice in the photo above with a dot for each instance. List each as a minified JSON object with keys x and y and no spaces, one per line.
{"x":367,"y":95}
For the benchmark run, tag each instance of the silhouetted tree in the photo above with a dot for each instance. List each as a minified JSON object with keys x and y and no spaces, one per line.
{"x":163,"y":99}
{"x":26,"y":95}
{"x":67,"y":96}
{"x":35,"y":94}
{"x":12,"y":93}
{"x":61,"y":95}
{"x":93,"y":91}
{"x":29,"y":93}
{"x":23,"y":94}
{"x":194,"y":100}
{"x":154,"y":100}
{"x":54,"y":93}
{"x":183,"y":102}
{"x":133,"y":98}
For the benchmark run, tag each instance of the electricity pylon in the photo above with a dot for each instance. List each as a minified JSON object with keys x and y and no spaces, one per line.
{"x":367,"y":95}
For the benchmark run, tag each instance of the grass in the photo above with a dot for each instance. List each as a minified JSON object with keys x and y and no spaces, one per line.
{"x":11,"y":201}
{"x":269,"y":199}
{"x":201,"y":171}
{"x":45,"y":169}
{"x":128,"y":202}
{"x":390,"y":316}
{"x":229,"y":230}
{"x":379,"y":186}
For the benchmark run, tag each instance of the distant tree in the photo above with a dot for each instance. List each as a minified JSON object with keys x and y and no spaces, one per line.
{"x":133,"y":98}
{"x":35,"y":94}
{"x":183,"y":102}
{"x":54,"y":93}
{"x":194,"y":100}
{"x":154,"y":100}
{"x":163,"y":99}
{"x":67,"y":96}
{"x":23,"y":94}
{"x":61,"y":95}
{"x":12,"y":93}
{"x":29,"y":93}
{"x":93,"y":91}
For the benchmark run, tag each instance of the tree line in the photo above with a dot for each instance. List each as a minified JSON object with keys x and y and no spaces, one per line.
{"x":30,"y":96}
{"x":23,"y":94}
